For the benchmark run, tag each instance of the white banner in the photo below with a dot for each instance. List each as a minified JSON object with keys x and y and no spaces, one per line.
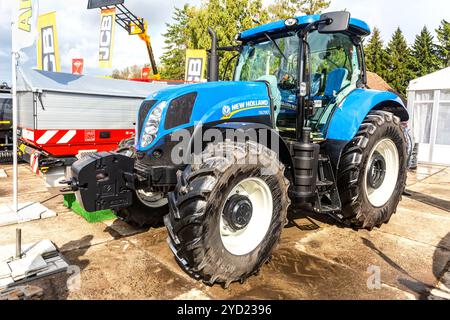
{"x":25,"y":15}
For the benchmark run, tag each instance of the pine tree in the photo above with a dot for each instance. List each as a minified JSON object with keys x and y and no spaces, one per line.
{"x":176,"y":40}
{"x":424,"y":52}
{"x":399,"y":71}
{"x":377,"y":59}
{"x":189,"y":31}
{"x":443,"y":35}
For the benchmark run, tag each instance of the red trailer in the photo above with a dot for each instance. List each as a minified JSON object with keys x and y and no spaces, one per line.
{"x":64,"y":116}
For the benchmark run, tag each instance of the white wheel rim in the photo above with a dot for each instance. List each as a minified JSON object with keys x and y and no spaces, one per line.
{"x":243,"y":241}
{"x":378,"y":197}
{"x":152,"y":199}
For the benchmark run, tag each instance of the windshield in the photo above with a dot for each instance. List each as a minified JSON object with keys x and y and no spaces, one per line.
{"x":267,"y":59}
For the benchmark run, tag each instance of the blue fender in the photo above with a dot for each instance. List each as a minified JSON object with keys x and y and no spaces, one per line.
{"x":349,"y":115}
{"x":281,"y":148}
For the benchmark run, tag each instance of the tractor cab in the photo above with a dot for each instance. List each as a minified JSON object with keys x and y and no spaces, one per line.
{"x":333,"y":66}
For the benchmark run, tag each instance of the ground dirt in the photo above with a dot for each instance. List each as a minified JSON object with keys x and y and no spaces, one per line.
{"x":316,"y":258}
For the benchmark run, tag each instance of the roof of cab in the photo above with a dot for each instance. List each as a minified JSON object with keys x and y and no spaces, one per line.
{"x":357,"y":27}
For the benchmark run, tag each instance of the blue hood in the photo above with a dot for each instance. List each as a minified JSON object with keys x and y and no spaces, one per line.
{"x":216,"y":102}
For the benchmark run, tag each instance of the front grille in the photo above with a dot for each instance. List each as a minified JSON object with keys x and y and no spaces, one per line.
{"x":180,"y":110}
{"x":143,"y":111}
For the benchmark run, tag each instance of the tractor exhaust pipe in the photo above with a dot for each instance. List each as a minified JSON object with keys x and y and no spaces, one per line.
{"x":213,"y":60}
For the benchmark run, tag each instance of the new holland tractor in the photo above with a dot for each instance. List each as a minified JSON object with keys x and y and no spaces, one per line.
{"x":309,"y":132}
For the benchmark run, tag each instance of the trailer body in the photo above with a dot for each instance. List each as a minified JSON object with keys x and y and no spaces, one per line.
{"x":64,"y":116}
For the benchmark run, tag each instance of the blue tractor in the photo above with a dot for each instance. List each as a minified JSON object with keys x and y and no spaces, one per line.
{"x":220,"y":162}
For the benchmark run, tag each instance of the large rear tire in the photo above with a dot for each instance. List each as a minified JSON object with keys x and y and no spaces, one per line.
{"x":226,"y":214}
{"x":372,"y":171}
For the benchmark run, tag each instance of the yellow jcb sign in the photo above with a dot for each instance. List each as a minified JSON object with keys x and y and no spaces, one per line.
{"x":26,"y":12}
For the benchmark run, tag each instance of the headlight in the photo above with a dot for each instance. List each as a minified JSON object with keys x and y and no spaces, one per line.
{"x":151,"y":126}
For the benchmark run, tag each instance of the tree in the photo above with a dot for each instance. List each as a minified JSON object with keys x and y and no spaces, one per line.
{"x":176,"y":42}
{"x":443,"y":35}
{"x":399,"y":71}
{"x":313,"y":6}
{"x":283,"y":9}
{"x":377,"y":59}
{"x":189,"y":31}
{"x":426,"y":59}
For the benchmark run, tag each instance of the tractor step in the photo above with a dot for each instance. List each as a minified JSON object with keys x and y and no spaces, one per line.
{"x":327,"y":209}
{"x":324,"y":183}
{"x":327,"y":195}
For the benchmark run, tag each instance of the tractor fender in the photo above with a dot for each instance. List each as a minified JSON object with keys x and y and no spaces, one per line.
{"x":350,"y":113}
{"x":280,"y":148}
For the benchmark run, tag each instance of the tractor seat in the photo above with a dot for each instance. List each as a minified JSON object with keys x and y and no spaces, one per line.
{"x":335,"y":80}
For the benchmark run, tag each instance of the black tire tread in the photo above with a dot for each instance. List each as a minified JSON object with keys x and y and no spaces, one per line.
{"x":186,"y":217}
{"x":351,"y":165}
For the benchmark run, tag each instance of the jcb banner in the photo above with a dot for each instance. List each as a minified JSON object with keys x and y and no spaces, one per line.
{"x":47,"y":46}
{"x":106,"y":37}
{"x":195,"y":65}
{"x":24,"y":15}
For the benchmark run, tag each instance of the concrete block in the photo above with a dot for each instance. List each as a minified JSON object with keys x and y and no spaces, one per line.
{"x":26,"y":266}
{"x":51,"y":267}
{"x":40,"y":248}
{"x":61,"y":264}
{"x":31,"y":211}
{"x":48,"y":214}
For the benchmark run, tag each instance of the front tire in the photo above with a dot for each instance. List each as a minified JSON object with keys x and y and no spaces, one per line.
{"x":148,"y":208}
{"x":372,"y":172}
{"x":211,"y":232}
{"x":144,"y":213}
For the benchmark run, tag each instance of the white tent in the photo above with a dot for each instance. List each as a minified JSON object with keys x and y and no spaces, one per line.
{"x":429,"y":108}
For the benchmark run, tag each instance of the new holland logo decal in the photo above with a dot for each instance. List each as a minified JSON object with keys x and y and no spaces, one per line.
{"x":230,"y":110}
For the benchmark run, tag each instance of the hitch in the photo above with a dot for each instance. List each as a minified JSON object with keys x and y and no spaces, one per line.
{"x":103,"y":181}
{"x":72,"y":185}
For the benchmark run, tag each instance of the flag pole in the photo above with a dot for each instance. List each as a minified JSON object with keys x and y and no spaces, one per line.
{"x":14,"y":60}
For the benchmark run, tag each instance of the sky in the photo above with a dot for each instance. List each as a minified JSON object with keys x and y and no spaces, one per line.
{"x":78,"y":28}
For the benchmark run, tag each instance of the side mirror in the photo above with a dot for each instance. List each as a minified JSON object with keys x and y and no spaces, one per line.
{"x":335,"y":22}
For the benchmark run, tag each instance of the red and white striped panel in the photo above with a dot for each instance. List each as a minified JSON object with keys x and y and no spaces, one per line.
{"x":34,"y":162}
{"x":55,"y":136}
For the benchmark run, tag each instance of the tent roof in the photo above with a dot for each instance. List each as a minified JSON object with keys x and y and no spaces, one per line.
{"x":38,"y":80}
{"x":432,"y":81}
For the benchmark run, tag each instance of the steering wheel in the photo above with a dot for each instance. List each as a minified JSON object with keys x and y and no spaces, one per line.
{"x":287,"y":82}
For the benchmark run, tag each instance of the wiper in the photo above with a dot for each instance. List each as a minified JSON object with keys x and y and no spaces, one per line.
{"x":276,"y":45}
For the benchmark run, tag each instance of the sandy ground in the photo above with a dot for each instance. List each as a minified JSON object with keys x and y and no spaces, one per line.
{"x":316,"y":258}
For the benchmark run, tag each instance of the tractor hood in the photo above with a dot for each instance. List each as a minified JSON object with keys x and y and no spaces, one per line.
{"x":186,"y":106}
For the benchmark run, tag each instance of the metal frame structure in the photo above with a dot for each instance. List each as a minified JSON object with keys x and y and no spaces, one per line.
{"x":125,"y":18}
